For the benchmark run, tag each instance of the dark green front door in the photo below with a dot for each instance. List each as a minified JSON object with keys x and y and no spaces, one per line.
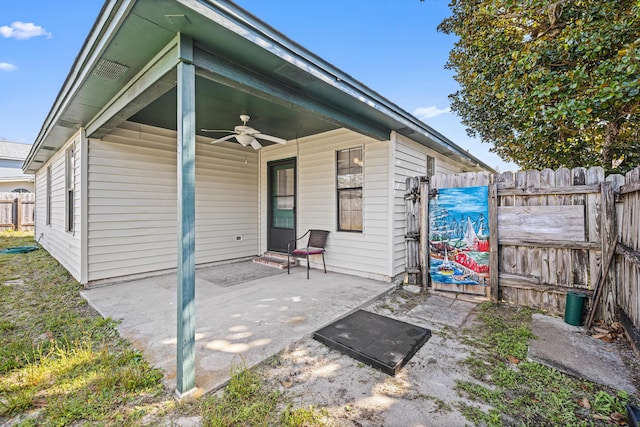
{"x":281,"y":214}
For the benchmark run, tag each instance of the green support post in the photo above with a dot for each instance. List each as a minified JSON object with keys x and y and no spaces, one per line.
{"x":186,"y":357}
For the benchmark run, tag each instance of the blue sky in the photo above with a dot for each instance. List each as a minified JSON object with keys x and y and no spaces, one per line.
{"x":390,"y":46}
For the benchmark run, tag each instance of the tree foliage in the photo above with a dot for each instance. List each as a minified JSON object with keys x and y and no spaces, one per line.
{"x":550,"y":83}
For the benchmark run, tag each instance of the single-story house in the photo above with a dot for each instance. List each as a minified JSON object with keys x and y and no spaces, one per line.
{"x":106,"y":159}
{"x":128,"y":182}
{"x":12,"y":179}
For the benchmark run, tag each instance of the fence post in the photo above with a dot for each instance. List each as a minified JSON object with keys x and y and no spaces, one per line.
{"x":609,"y":236}
{"x":15,"y":213}
{"x":19,"y":213}
{"x":424,"y":232}
{"x":494,"y":266}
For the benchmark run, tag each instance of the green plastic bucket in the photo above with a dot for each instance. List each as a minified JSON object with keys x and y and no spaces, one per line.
{"x":573,"y":308}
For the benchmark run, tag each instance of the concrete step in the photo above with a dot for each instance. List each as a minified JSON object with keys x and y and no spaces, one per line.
{"x":276,"y":260}
{"x":278,"y":255}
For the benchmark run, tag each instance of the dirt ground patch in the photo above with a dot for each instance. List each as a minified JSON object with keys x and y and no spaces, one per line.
{"x":425,"y":392}
{"x":356,"y":395}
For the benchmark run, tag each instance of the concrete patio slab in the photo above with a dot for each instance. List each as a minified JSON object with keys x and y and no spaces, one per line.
{"x":242,"y":324}
{"x":444,"y":310}
{"x":571,"y":350}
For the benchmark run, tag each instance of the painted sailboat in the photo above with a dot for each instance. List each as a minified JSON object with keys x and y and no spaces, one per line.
{"x":470,"y":236}
{"x":446,"y":268}
{"x":476,"y":241}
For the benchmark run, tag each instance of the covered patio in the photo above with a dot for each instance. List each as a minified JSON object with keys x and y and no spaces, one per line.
{"x":142,"y":163}
{"x":246,"y":313}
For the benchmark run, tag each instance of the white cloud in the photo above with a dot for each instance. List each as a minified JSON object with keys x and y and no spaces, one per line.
{"x":5,"y":66}
{"x":424,"y":113}
{"x":23,"y":30}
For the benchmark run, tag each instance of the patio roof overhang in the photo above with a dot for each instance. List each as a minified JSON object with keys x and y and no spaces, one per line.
{"x":126,"y":70}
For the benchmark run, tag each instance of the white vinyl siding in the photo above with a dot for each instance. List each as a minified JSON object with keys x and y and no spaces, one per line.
{"x":363,"y":253}
{"x":226,"y":201}
{"x":132,"y":201}
{"x":445,"y":166}
{"x":62,"y":245}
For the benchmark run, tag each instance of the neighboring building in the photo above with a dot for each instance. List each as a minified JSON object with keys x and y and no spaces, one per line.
{"x":12,"y":179}
{"x":113,"y":161}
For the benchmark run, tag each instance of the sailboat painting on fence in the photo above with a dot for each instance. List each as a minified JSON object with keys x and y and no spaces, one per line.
{"x":459,"y":239}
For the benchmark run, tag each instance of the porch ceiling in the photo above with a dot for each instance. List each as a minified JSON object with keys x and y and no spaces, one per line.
{"x":219,"y":107}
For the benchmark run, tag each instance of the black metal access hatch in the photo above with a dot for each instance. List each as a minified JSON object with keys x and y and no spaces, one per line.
{"x":379,"y":341}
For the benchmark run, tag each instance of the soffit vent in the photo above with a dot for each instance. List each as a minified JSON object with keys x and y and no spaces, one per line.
{"x":294,"y":73}
{"x":109,"y":70}
{"x":178,"y":20}
{"x":68,"y":124}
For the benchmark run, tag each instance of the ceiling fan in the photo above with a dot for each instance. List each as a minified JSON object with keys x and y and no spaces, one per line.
{"x":246,"y":135}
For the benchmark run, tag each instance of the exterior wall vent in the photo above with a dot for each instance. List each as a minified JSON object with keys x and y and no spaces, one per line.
{"x":109,"y":70}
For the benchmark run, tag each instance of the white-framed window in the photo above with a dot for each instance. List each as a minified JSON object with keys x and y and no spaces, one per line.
{"x":48,"y":196}
{"x":69,"y":172}
{"x":431,"y":166}
{"x":349,"y":166}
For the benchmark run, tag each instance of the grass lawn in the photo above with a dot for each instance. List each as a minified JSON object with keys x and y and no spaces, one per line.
{"x":62,"y":364}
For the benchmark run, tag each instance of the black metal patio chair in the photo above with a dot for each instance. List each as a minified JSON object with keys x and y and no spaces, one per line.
{"x":315,"y":246}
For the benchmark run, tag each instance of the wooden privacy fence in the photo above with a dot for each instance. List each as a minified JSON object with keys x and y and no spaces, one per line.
{"x":554,"y":228}
{"x":17,"y":211}
{"x":627,"y":266}
{"x":551,"y":232}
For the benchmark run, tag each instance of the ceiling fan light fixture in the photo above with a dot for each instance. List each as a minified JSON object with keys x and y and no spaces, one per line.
{"x":244,"y":139}
{"x":246,"y":135}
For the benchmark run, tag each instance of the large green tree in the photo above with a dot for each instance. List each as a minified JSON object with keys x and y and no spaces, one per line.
{"x":550,"y":83}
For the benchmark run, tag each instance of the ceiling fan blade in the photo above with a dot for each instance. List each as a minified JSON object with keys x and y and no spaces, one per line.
{"x":215,"y":130}
{"x":270,"y":138}
{"x":224,"y":138}
{"x":255,"y":144}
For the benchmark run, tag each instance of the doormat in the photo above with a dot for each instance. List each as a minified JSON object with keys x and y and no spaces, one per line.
{"x":381,"y":342}
{"x":226,"y":275}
